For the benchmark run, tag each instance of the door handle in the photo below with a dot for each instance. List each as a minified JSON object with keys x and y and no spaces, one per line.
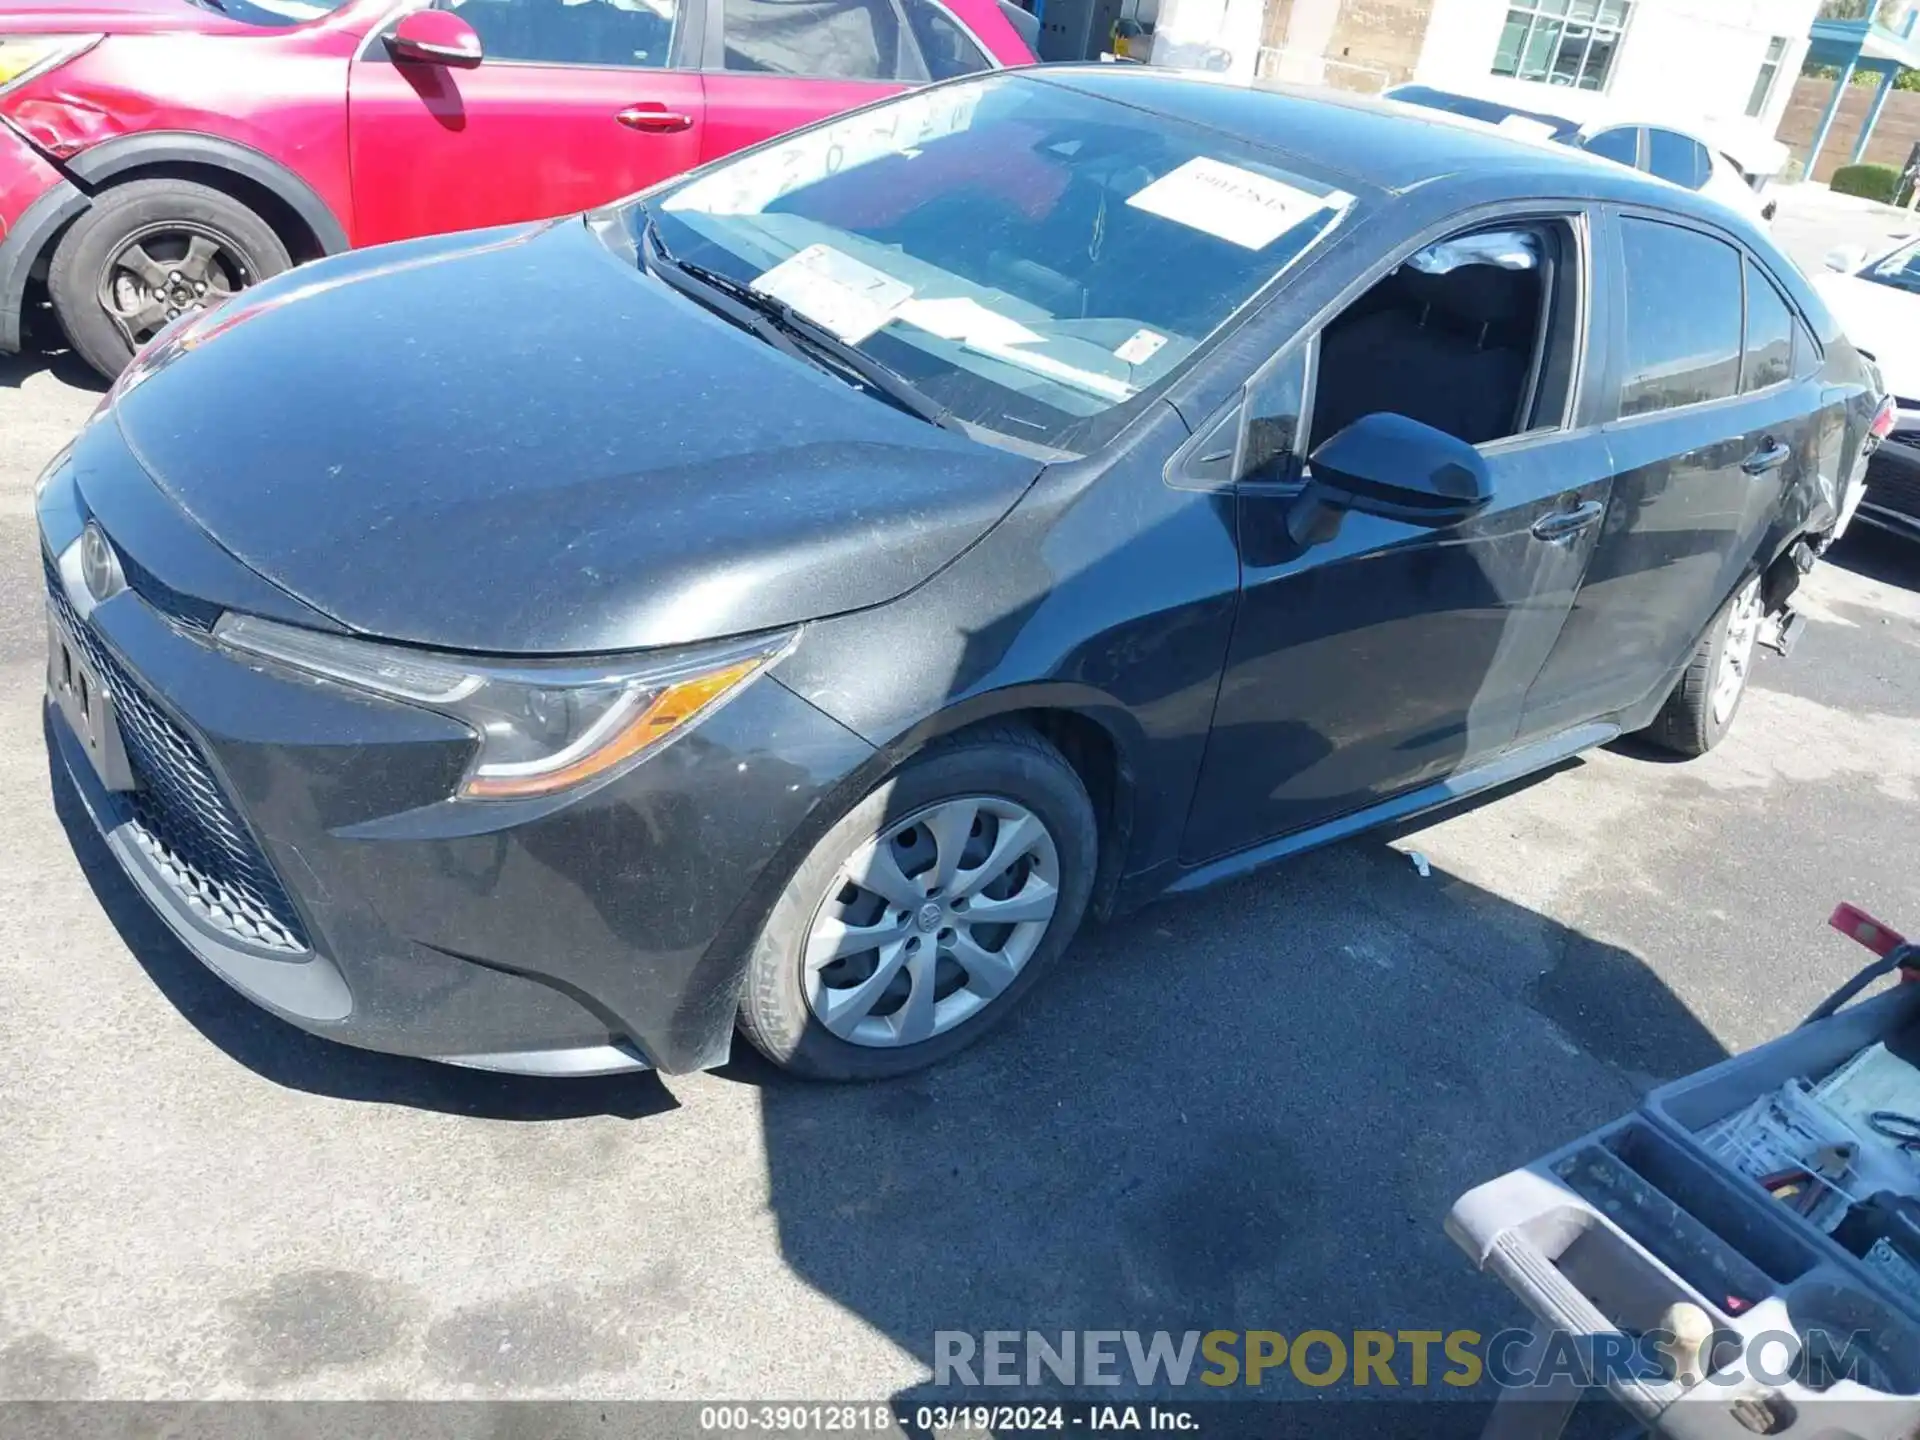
{"x":1770,"y":456}
{"x":654,"y":119}
{"x":1565,"y":524}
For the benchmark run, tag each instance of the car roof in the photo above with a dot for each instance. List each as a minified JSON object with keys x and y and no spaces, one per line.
{"x":1367,"y":143}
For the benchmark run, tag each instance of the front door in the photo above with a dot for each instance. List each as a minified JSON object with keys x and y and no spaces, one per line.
{"x":1707,"y":442}
{"x":572,"y":105}
{"x":1386,"y":654}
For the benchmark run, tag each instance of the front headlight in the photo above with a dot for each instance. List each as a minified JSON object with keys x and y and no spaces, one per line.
{"x":24,"y":56}
{"x":542,"y":727}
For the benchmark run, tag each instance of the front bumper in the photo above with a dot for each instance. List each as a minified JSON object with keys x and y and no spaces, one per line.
{"x":36,"y":200}
{"x":1892,"y":501}
{"x":297,"y":835}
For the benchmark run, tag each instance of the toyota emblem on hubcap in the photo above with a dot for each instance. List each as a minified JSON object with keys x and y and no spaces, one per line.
{"x":929,"y":916}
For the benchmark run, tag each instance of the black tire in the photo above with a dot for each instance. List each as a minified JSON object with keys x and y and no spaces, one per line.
{"x":163,"y":214}
{"x":1689,"y":724}
{"x":1004,"y":761}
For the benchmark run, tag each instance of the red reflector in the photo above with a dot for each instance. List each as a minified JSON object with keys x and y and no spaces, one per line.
{"x":1862,"y":928}
{"x":1883,"y":419}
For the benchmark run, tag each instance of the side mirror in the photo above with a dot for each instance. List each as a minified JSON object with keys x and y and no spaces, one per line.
{"x":435,"y":37}
{"x":1399,"y":469}
{"x":1846,"y":258}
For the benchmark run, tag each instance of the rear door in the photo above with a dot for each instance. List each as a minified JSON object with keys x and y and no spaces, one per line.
{"x":1713,"y":429}
{"x":575,"y":103}
{"x":781,"y":64}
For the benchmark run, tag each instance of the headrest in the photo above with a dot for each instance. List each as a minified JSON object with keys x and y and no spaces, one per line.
{"x":1474,"y":295}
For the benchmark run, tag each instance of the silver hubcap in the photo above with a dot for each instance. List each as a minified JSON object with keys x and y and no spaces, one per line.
{"x":1736,"y":655}
{"x":925,"y":924}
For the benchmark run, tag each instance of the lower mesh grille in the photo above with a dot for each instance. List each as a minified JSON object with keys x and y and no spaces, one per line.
{"x":1894,"y":486}
{"x":179,"y":816}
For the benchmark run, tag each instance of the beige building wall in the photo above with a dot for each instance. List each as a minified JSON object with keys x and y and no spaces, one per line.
{"x":1363,"y":45}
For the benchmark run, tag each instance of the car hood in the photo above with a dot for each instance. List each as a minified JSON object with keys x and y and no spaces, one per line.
{"x":1882,"y":321}
{"x":512,"y":441}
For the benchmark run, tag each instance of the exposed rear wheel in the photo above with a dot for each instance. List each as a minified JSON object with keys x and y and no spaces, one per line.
{"x":1700,"y":711}
{"x":148,"y":251}
{"x":924,"y":913}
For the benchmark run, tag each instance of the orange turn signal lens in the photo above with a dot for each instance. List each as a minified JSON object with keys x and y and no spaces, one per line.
{"x":668,"y":710}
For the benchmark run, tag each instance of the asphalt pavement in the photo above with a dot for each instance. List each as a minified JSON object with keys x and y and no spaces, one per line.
{"x":1245,"y":1109}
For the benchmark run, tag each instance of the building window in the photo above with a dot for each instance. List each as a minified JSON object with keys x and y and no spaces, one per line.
{"x":1769,"y":70}
{"x":1562,"y":42}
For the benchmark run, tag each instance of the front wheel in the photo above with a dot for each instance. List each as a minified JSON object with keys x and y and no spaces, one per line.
{"x":1700,"y":711}
{"x":146,"y":252}
{"x":917,"y":921}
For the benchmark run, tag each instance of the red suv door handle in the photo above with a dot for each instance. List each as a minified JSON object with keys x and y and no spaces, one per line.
{"x":655,"y":119}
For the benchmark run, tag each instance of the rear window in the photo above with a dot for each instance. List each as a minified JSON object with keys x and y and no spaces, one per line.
{"x":1683,"y":317}
{"x":1770,"y":325}
{"x":1806,"y":353}
{"x":947,"y":49}
{"x":1677,"y":158}
{"x":1620,"y":145}
{"x":842,"y":39}
{"x":1037,"y":259}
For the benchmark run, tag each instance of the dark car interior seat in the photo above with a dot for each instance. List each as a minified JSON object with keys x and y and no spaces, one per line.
{"x":1453,"y":351}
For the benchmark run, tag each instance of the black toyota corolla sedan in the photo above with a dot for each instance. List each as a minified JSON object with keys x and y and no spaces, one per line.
{"x":794,"y":599}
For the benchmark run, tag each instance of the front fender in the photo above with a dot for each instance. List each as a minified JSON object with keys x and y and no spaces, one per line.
{"x":1106,"y":594}
{"x":102,"y":163}
{"x":31,"y":234}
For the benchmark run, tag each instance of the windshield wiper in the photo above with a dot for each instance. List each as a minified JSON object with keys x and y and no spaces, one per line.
{"x":787,"y":329}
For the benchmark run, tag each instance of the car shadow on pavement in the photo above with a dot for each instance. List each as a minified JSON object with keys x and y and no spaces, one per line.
{"x":62,"y":365}
{"x":287,"y":1055}
{"x":1248,"y":1109}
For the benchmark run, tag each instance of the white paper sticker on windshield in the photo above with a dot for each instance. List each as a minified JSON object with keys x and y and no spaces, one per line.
{"x":1240,"y":206}
{"x":835,"y":291}
{"x":967,"y":322}
{"x":1140,"y":347}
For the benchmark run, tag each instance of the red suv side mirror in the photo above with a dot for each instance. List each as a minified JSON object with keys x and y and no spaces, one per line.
{"x":435,"y":37}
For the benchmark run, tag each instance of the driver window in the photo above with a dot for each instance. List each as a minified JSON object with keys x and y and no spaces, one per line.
{"x":1476,"y":336}
{"x":628,"y":34}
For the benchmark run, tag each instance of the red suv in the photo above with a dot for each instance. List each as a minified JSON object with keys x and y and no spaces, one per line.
{"x":158,"y":154}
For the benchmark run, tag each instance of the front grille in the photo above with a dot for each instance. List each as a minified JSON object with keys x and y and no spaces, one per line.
{"x":1892,"y":485}
{"x":179,"y":816}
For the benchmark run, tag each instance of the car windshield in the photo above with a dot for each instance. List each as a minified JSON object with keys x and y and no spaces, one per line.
{"x":1035,"y":260}
{"x":1900,"y":269}
{"x":271,"y":12}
